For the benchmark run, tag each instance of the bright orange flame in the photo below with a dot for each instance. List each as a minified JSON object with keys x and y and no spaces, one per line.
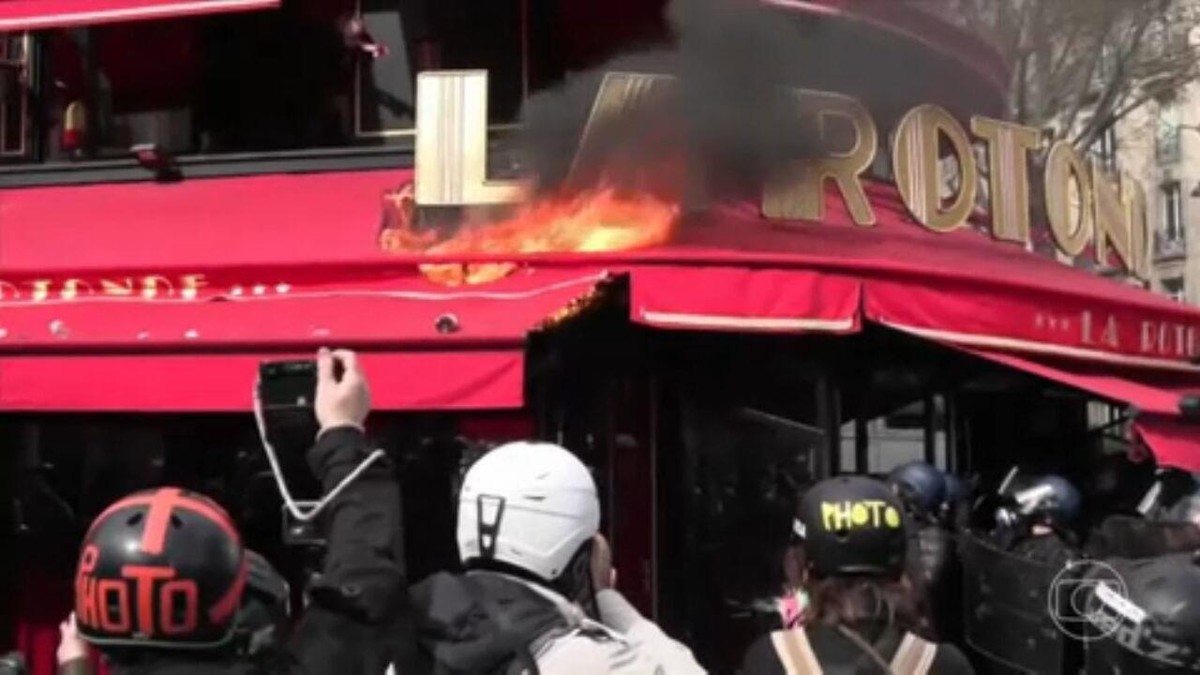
{"x":595,"y":220}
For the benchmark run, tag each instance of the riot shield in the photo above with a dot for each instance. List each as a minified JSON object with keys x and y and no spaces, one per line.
{"x":1006,"y":613}
{"x":1121,"y":536}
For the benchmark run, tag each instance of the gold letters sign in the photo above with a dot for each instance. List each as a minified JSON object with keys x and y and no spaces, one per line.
{"x":1084,"y":206}
{"x":148,"y":287}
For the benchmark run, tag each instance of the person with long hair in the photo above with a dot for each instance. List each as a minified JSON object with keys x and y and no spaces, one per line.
{"x":864,"y":616}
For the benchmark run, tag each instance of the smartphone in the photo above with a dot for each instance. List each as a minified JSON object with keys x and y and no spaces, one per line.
{"x":287,"y":391}
{"x":287,"y":384}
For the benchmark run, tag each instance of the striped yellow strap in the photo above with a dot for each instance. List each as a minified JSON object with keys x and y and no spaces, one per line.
{"x":914,"y":657}
{"x":795,"y":652}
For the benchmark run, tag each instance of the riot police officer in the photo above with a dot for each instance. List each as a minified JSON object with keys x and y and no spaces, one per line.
{"x":864,"y":616}
{"x":1155,"y":628}
{"x":1039,"y":524}
{"x":1010,"y":576}
{"x":956,"y":509}
{"x":932,"y":566}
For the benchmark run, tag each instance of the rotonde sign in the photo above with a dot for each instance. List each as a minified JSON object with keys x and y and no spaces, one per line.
{"x":1086,"y":210}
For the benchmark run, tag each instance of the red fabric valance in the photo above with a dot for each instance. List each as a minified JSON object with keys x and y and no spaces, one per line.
{"x":23,"y":15}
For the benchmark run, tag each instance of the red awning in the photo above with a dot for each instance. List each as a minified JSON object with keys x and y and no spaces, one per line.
{"x":736,"y":270}
{"x":426,"y":347}
{"x":744,"y":299}
{"x":409,"y":380}
{"x":23,"y":15}
{"x":1155,"y":397}
{"x":1130,"y":387}
{"x":1173,"y":441}
{"x":178,"y":291}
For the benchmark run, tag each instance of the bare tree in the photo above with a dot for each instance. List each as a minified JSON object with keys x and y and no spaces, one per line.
{"x":1081,"y":66}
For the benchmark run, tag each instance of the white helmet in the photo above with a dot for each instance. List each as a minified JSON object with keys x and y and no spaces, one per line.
{"x":527,"y":504}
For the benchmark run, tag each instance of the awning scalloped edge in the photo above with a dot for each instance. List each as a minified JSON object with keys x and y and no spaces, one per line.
{"x":581,"y":303}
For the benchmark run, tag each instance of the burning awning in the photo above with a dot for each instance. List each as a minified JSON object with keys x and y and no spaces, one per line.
{"x":1154,"y":396}
{"x":177,"y":292}
{"x":734,"y":270}
{"x":23,"y":15}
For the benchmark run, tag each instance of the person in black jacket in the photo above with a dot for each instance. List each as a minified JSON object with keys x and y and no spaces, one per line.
{"x":932,"y":561}
{"x":162,"y":573}
{"x":863,"y":616}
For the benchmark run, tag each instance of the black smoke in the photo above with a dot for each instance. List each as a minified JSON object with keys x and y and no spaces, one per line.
{"x":731,"y":121}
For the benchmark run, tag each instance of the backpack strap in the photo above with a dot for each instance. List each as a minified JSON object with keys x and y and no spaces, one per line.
{"x":914,"y":656}
{"x":795,"y":652}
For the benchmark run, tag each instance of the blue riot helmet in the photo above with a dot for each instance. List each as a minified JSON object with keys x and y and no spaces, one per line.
{"x":921,"y":487}
{"x":956,"y":489}
{"x":1049,"y":500}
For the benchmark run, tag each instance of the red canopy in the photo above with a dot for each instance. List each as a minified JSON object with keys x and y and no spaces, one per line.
{"x":22,"y":15}
{"x":737,"y":271}
{"x":241,"y":270}
{"x":1154,"y":395}
{"x":275,"y":264}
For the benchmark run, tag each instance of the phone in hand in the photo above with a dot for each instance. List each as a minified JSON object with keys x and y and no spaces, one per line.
{"x":287,"y":392}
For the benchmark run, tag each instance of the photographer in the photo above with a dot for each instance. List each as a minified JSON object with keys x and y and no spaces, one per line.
{"x":162,"y":574}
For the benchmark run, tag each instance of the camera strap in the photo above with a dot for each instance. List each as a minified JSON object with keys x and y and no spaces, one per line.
{"x":289,"y":502}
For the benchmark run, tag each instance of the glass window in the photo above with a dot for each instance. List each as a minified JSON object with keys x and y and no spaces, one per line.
{"x":1167,"y":138}
{"x":1105,"y":149}
{"x":1174,"y":288}
{"x":887,"y":439}
{"x":1172,"y":199}
{"x":311,"y":74}
{"x":15,"y":72}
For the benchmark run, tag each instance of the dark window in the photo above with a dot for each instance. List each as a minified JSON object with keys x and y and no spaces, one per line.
{"x":311,"y":74}
{"x":1105,"y":149}
{"x":1175,"y":289}
{"x":1167,"y":139}
{"x":1172,"y":212}
{"x":15,"y":102}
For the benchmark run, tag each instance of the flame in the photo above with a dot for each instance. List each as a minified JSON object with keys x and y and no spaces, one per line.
{"x":594,"y":220}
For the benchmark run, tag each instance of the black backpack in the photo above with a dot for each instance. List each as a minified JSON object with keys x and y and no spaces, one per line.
{"x":489,"y":624}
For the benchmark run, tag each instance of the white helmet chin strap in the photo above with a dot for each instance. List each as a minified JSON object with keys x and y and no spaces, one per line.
{"x":291,"y":504}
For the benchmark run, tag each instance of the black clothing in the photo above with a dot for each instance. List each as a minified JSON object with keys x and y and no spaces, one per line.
{"x":478,"y":622}
{"x":934,"y":566}
{"x":834,"y":650}
{"x":1124,"y":536}
{"x":357,"y":620}
{"x":1046,"y":549}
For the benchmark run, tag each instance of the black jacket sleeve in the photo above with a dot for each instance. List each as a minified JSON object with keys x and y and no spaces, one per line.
{"x":357,"y":619}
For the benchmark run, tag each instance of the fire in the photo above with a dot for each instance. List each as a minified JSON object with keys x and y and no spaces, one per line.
{"x":595,"y":220}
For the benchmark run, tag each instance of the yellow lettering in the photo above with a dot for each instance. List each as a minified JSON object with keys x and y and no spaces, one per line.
{"x":40,"y":289}
{"x":1112,"y":222}
{"x":870,"y":513}
{"x":451,"y":154}
{"x":190,"y":285}
{"x":1064,"y":171}
{"x":1008,"y":147}
{"x":70,"y":288}
{"x":619,"y":94}
{"x":1134,"y":197}
{"x":111,"y":287}
{"x":798,"y":192}
{"x":915,"y":157}
{"x":152,"y":284}
{"x":836,"y":516}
